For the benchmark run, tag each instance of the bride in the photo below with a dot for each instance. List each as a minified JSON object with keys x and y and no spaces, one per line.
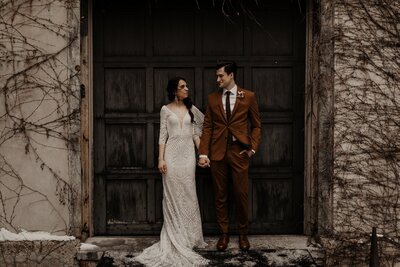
{"x":180,"y":128}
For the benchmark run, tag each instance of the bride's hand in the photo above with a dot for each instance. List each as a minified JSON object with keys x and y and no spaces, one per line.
{"x":162,"y":166}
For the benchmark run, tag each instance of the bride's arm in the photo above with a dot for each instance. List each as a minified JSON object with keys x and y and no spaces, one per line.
{"x":197,"y":126}
{"x":196,"y":140}
{"x":162,"y":166}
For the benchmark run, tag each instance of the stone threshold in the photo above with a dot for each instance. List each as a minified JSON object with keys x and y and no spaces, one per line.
{"x":271,"y":247}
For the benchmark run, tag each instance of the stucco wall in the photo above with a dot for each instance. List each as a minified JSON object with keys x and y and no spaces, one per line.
{"x":367,"y":116}
{"x":366,"y":187}
{"x":39,"y":116}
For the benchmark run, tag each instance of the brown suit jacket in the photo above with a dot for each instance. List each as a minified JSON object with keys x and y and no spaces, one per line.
{"x":245,"y":113}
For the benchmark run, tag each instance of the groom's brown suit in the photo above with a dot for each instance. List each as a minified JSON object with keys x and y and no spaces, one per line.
{"x":225,"y":156}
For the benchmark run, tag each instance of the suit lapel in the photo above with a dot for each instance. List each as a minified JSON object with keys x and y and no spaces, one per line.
{"x":237,"y":103}
{"x":221,"y":107}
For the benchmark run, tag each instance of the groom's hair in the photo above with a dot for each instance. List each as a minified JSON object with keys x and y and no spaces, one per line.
{"x":229,"y":67}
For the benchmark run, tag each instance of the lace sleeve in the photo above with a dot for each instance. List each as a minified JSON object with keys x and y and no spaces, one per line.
{"x":163,"y":126}
{"x":198,"y":122}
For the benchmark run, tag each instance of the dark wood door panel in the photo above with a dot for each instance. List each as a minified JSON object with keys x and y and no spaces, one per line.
{"x":125,"y":146}
{"x":126,"y":201}
{"x":274,"y":88}
{"x":275,"y":36}
{"x":124,"y":90}
{"x":276,"y":148}
{"x":173,"y":35}
{"x":138,"y":46}
{"x":216,"y":32}
{"x":124,"y":38}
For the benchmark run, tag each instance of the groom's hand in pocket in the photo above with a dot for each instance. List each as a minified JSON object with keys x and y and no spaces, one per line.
{"x":249,"y":153}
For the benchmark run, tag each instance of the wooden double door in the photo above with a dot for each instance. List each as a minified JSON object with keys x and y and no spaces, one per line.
{"x":138,"y":46}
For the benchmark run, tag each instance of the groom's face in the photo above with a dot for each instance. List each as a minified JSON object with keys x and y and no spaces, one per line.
{"x":224,"y":80}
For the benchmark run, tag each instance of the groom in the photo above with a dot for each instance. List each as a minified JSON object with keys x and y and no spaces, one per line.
{"x":227,"y":145}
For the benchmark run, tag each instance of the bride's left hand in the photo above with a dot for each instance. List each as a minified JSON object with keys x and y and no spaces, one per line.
{"x":162,"y":166}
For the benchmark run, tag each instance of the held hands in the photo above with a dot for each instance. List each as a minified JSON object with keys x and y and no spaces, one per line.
{"x":162,"y":166}
{"x":204,"y":162}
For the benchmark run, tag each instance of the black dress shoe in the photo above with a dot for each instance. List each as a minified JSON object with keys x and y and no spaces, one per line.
{"x":222,"y":243}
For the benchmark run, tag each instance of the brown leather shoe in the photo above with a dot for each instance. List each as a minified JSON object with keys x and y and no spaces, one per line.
{"x":244,"y":243}
{"x":222,"y":243}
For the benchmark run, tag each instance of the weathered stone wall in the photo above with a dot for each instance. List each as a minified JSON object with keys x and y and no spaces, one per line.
{"x":366,"y":184}
{"x":39,"y":116}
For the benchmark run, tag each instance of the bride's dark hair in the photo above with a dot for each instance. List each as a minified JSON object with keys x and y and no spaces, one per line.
{"x":172,"y":86}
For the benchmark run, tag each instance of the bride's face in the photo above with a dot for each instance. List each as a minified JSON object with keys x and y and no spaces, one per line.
{"x":182,"y":91}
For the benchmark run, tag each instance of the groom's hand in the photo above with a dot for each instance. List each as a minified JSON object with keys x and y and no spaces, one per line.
{"x":204,"y":162}
{"x":249,"y":153}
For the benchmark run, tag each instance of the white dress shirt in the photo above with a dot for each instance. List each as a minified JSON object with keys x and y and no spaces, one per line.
{"x":232,"y":97}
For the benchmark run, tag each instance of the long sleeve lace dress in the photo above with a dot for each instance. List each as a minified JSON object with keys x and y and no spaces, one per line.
{"x":182,"y":230}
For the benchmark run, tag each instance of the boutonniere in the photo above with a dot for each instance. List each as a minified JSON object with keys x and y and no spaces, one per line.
{"x":240,"y":94}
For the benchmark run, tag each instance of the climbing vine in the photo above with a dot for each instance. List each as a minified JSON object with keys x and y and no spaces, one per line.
{"x":366,"y":126}
{"x":39,"y":113}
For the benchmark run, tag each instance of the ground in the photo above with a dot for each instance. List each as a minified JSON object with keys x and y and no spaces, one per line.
{"x":266,"y":251}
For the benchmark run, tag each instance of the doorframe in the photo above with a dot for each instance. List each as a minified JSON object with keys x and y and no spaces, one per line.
{"x":318,"y":118}
{"x":86,"y":136}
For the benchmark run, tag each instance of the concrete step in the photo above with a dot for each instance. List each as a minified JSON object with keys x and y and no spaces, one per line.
{"x":274,"y":250}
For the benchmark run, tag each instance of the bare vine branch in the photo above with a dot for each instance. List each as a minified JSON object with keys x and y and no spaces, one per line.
{"x":40,"y":104}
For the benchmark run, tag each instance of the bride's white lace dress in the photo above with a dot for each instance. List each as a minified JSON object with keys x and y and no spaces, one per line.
{"x":181,"y":231}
